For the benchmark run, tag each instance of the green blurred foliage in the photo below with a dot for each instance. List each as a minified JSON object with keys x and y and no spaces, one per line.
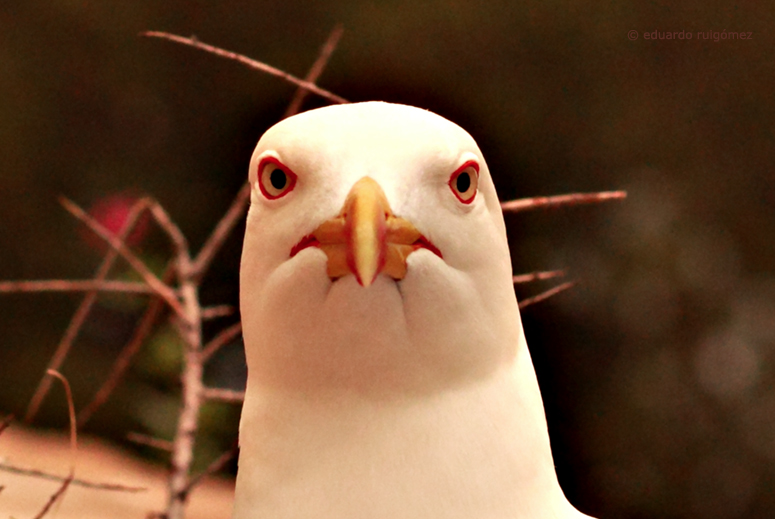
{"x":657,"y":370}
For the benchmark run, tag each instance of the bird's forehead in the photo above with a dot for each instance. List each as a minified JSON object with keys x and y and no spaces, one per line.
{"x":368,"y":132}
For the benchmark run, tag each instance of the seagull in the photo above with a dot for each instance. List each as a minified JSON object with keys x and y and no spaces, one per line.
{"x":388,"y":372}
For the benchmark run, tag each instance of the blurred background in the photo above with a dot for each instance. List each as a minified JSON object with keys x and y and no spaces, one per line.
{"x":657,"y":370}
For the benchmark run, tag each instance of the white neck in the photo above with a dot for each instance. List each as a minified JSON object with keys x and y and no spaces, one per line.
{"x":481,"y":450}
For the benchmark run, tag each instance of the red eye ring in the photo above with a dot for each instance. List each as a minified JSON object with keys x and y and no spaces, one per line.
{"x":274,"y":186}
{"x":462,"y":191}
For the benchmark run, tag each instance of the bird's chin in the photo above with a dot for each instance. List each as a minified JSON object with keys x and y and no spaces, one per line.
{"x":309,"y":331}
{"x":311,"y":261}
{"x":383,"y":290}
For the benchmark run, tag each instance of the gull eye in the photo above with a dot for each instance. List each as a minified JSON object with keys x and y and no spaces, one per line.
{"x":464,"y":181}
{"x":275,"y":179}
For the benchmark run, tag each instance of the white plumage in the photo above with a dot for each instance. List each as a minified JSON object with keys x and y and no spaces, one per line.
{"x":388,"y":374}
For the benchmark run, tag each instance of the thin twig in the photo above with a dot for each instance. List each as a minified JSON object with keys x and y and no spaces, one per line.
{"x":77,"y":482}
{"x":238,"y":207}
{"x":149,"y":441}
{"x":124,"y":359}
{"x":70,"y":414}
{"x":225,"y":225}
{"x":79,"y":285}
{"x":229,"y":396}
{"x":189,"y":321}
{"x":55,"y":497}
{"x":79,"y":317}
{"x":179,"y":241}
{"x":215,"y":466}
{"x":545,"y":202}
{"x":317,"y":69}
{"x":258,"y":65}
{"x":8,"y":420}
{"x":163,"y":290}
{"x":220,"y":340}
{"x":188,"y":422}
{"x":213,"y":312}
{"x":546,"y":295}
{"x":182,"y":455}
{"x":537,"y":276}
{"x":73,"y":446}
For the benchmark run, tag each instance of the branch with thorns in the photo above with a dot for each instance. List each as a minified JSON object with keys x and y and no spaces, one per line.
{"x":182,"y":298}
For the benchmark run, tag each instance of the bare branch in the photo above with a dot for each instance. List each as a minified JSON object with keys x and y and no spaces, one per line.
{"x":219,"y":341}
{"x":8,"y":420}
{"x":173,"y":231}
{"x":182,"y":455}
{"x":258,"y":65}
{"x":163,"y":290}
{"x":55,"y":496}
{"x":73,"y":446}
{"x":238,"y":207}
{"x":80,"y":285}
{"x":79,"y":317}
{"x":545,"y":202}
{"x":122,"y":363}
{"x":229,"y":396}
{"x":216,"y":466}
{"x":215,"y":241}
{"x":77,"y":482}
{"x":189,"y":320}
{"x":214,"y":312}
{"x":537,"y":276}
{"x":185,"y":433}
{"x":70,"y":413}
{"x":317,"y":69}
{"x":150,"y":441}
{"x":545,"y":295}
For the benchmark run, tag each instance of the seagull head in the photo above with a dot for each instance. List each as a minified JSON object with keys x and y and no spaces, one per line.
{"x":375,"y":253}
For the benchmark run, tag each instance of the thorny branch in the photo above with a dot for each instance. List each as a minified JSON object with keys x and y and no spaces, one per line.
{"x":75,"y":481}
{"x":221,"y":232}
{"x":190,"y":275}
{"x":317,"y":69}
{"x":546,"y":202}
{"x":537,"y":276}
{"x":185,"y":304}
{"x":8,"y":420}
{"x":258,"y":65}
{"x":545,"y":295}
{"x":162,"y":289}
{"x":74,"y":327}
{"x":149,"y":441}
{"x":223,"y":338}
{"x":214,"y":312}
{"x":85,"y":285}
{"x":73,"y":446}
{"x":215,"y":466}
{"x":228,"y":396}
{"x":120,"y":366}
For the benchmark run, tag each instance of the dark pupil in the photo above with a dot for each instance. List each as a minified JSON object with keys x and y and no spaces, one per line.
{"x":463,"y":182}
{"x":277,"y":178}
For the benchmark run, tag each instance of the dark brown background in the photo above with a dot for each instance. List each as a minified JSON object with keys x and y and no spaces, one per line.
{"x":657,"y":371}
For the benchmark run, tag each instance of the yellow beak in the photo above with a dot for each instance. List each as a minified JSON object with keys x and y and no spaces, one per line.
{"x":366,"y":238}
